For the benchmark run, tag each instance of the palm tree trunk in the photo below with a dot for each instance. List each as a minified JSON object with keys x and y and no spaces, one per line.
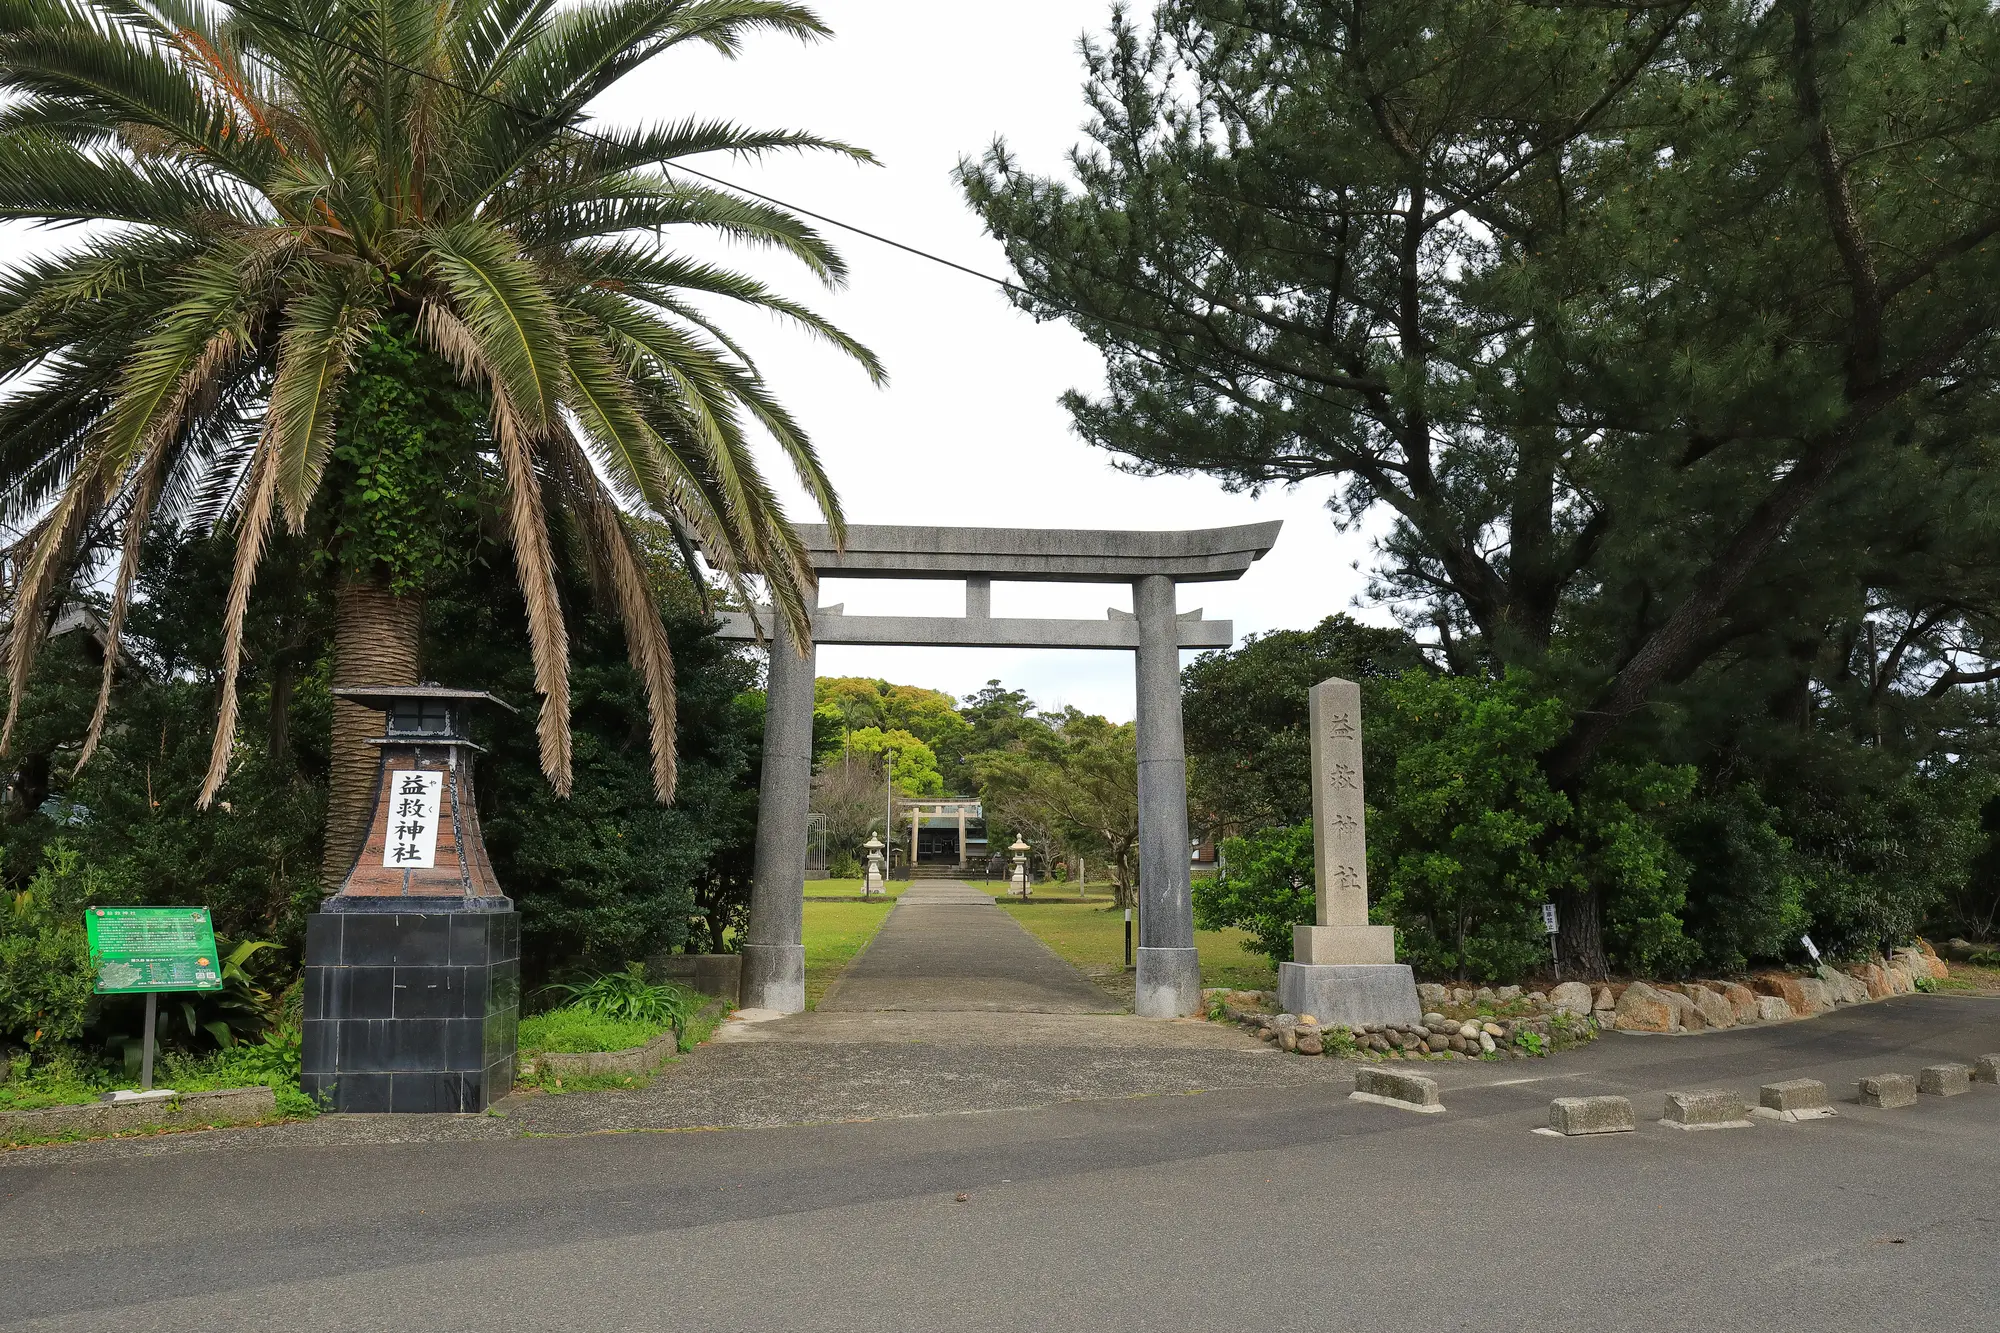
{"x":375,"y":642}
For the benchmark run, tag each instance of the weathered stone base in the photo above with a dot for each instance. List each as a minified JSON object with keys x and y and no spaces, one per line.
{"x":1710,"y":1108}
{"x":774,"y":978}
{"x":1944,"y":1080}
{"x":410,"y":1010}
{"x":1167,"y":983}
{"x":1372,"y":993}
{"x":1337,"y":946}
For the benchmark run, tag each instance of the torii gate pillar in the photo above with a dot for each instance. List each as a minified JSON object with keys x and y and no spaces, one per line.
{"x":774,"y":955}
{"x":1168,"y":979}
{"x":1153,"y":563}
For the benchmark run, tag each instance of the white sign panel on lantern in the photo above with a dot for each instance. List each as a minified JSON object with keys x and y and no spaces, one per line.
{"x":416,"y":796}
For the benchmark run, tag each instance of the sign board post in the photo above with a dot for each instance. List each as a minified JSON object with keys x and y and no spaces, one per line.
{"x":1550,"y":928}
{"x":146,"y":950}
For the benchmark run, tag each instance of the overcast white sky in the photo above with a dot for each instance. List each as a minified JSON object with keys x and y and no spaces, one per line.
{"x":969,"y":430}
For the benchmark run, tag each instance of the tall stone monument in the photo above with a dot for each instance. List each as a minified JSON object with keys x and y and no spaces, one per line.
{"x":1344,"y":970}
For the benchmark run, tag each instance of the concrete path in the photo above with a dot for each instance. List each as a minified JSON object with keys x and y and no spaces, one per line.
{"x":946,"y":948}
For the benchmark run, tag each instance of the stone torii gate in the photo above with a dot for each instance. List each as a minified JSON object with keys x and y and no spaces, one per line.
{"x":1169,"y":977}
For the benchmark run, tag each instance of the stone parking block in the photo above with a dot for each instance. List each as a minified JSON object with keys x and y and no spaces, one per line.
{"x":1707,"y":1108}
{"x":1792,"y":1100}
{"x":1986,"y":1069}
{"x":1386,"y":1087}
{"x":1888,"y":1091}
{"x":1574,"y":1116}
{"x":1944,"y":1080}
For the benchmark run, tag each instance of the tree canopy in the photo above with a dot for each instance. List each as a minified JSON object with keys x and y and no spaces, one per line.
{"x":1665,"y":332}
{"x":330,"y":221}
{"x":1244,"y":716}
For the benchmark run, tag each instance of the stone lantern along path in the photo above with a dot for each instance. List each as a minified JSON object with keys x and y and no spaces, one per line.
{"x":412,"y":976}
{"x":1345,"y":970}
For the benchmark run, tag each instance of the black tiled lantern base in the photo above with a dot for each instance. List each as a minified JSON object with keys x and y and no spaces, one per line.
{"x":411,"y":1007}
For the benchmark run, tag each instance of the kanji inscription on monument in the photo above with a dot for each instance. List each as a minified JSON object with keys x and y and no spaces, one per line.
{"x":1340,"y":848}
{"x":1341,"y":935}
{"x":415,"y":802}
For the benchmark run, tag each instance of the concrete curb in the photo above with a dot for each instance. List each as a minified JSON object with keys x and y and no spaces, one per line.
{"x":194,"y":1110}
{"x":1396,"y":1102}
{"x":1887,"y":1091}
{"x":1585,"y":1117}
{"x":597,"y":1064}
{"x":1707,"y":1108}
{"x":1407,"y":1092}
{"x":1793,"y":1100}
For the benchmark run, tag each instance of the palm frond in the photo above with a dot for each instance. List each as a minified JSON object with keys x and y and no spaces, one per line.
{"x":645,"y":635}
{"x":250,"y":539}
{"x":549,"y":216}
{"x":528,"y":529}
{"x":324,"y":328}
{"x":151,"y":473}
{"x":45,"y":179}
{"x":119,"y":78}
{"x":500,"y":299}
{"x":50,"y":546}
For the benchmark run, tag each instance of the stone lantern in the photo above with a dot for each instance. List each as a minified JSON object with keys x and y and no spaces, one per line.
{"x":1019,"y":882}
{"x":871,"y":885}
{"x":412,"y":976}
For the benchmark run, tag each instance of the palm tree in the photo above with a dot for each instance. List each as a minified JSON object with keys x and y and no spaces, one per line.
{"x":287,"y":189}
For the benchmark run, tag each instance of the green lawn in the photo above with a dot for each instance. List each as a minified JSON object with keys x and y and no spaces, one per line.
{"x":834,"y":933}
{"x":1093,"y":938}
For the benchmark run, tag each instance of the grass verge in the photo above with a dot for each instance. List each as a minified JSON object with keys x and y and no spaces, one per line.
{"x":834,"y":933}
{"x":1092,"y":937}
{"x":67,"y":1079}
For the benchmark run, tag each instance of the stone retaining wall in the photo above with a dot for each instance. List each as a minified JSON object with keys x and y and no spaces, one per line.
{"x":1767,"y":997}
{"x":1463,"y":1021}
{"x":1436,"y":1037}
{"x":590,"y":1064}
{"x":194,"y":1110}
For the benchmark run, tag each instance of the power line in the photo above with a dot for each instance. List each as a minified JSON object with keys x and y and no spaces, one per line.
{"x":1011,"y":288}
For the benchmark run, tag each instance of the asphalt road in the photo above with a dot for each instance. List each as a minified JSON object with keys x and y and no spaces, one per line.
{"x":1243,"y":1208}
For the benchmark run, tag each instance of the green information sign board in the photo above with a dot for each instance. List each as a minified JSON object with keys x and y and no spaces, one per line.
{"x":152,"y":949}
